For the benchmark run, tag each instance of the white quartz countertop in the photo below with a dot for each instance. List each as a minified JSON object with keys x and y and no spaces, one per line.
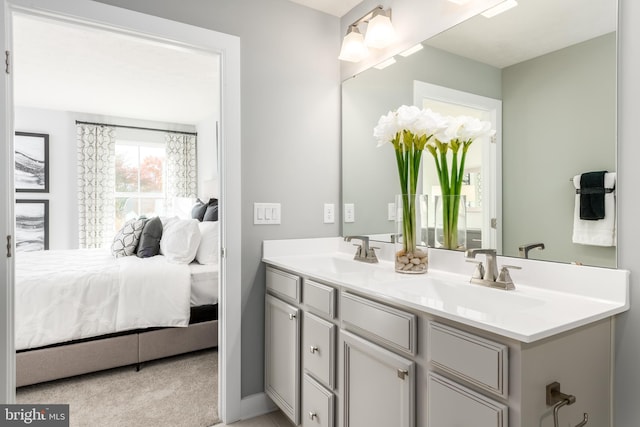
{"x":549,"y":298}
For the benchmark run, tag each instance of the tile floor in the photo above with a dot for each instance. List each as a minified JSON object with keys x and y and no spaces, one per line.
{"x":274,"y":419}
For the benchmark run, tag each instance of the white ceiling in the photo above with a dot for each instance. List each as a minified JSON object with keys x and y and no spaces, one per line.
{"x":333,"y":7}
{"x":75,"y":68}
{"x":533,"y":28}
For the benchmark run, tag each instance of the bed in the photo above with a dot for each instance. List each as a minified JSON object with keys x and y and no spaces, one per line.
{"x":80,"y":311}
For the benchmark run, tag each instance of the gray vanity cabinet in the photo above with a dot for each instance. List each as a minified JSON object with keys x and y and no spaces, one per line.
{"x":282,"y":356}
{"x":378,"y":385}
{"x":337,"y":357}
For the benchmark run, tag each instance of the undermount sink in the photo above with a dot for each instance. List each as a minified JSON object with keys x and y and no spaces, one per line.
{"x":332,"y":263}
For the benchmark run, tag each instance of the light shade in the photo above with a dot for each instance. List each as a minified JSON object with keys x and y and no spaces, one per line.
{"x":380,"y":31}
{"x":353,"y":47}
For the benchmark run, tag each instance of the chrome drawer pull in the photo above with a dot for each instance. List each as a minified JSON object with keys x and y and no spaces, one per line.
{"x":312,"y":415}
{"x":313,"y":349}
{"x":292,"y":316}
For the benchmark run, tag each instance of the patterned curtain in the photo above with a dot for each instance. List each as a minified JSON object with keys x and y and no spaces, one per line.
{"x":181,"y":166}
{"x":96,"y":184}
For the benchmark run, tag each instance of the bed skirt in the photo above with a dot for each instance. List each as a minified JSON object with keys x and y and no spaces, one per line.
{"x":62,"y":361}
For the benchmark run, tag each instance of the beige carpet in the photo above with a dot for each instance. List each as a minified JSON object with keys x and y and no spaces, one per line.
{"x":181,"y":391}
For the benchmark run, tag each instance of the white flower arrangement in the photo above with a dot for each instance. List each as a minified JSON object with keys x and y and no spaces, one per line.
{"x":410,"y":130}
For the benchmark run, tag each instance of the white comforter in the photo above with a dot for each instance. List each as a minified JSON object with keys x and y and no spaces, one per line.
{"x":73,"y":294}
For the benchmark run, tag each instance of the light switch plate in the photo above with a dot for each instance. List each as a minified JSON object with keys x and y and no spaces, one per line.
{"x":329,"y":213}
{"x":349,"y":212}
{"x":266,"y":213}
{"x":391,"y":211}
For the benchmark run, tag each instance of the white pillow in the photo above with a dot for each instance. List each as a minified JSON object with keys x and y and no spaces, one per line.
{"x":208,"y":249}
{"x":180,"y":240}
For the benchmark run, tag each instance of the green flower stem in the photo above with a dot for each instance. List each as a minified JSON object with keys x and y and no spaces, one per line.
{"x":451,"y":187}
{"x":408,"y":150}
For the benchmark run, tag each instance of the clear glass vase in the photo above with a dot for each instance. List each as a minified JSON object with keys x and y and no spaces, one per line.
{"x":411,"y":234}
{"x":451,"y":222}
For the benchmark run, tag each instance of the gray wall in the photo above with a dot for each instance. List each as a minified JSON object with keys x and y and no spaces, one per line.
{"x":375,"y":92}
{"x":559,"y":120}
{"x":225,"y":16}
{"x":290,"y":130}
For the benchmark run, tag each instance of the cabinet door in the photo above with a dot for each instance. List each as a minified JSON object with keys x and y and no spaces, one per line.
{"x":282,"y":356}
{"x":317,"y":404}
{"x":451,"y":405}
{"x":378,"y":385}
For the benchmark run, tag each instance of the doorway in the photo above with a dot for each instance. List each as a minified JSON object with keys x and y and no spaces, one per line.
{"x":164,"y":31}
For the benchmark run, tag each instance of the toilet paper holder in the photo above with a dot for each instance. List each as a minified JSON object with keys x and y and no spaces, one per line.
{"x":558,"y":399}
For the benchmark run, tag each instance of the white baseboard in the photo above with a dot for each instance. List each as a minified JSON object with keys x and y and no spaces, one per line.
{"x":255,"y":405}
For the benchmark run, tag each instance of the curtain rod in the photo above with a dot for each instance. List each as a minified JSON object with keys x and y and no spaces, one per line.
{"x":135,"y":127}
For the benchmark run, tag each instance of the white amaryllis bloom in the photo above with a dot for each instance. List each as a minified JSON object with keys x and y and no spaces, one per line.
{"x":429,"y":123}
{"x":386,"y":129}
{"x":464,"y":128}
{"x":473,"y":128}
{"x":411,"y":118}
{"x":408,"y":115}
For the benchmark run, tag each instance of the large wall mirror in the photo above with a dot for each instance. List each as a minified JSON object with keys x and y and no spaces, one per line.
{"x":552,"y":67}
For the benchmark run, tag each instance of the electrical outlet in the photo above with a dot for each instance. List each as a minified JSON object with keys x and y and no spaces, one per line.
{"x":329,"y":213}
{"x":349,"y":212}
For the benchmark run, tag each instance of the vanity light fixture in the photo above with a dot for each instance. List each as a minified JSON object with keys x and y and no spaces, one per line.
{"x":498,"y":9}
{"x":379,"y":34}
{"x":353,"y":47}
{"x":385,"y":64}
{"x":412,"y":50}
{"x":380,"y":31}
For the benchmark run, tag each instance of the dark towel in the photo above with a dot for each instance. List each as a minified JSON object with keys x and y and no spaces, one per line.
{"x":592,"y":193}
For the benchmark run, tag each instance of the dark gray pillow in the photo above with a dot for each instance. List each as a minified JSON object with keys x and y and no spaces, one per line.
{"x":211,"y":214}
{"x":198,"y":210}
{"x":149,"y":244}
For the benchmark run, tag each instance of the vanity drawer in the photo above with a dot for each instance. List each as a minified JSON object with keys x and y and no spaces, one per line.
{"x":318,"y":404}
{"x":318,"y":349}
{"x":319,"y":298}
{"x":379,"y":322}
{"x":284,"y":285}
{"x":477,"y":360}
{"x":451,"y":405}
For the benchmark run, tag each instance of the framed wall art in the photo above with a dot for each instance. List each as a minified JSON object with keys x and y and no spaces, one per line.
{"x":32,"y":225}
{"x":31,"y":162}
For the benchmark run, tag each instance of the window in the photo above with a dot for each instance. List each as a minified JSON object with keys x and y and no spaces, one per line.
{"x":140,"y":180}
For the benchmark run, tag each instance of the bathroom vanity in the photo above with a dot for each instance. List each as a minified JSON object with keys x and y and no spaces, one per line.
{"x":350,"y":344}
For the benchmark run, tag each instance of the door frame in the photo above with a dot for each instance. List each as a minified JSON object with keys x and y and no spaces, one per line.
{"x":147,"y":26}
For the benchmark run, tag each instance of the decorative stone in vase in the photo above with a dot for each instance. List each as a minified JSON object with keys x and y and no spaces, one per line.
{"x":411,"y":234}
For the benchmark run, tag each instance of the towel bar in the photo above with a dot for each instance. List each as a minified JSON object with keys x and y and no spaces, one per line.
{"x":595,"y":190}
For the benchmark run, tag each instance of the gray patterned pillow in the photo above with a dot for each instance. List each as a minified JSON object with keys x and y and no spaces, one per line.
{"x":126,"y":240}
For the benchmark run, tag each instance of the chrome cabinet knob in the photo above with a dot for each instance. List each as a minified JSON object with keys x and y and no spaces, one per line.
{"x":313,"y":349}
{"x":292,"y":316}
{"x":312,"y":415}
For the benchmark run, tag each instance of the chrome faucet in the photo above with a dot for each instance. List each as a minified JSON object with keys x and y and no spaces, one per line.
{"x":364,"y":253}
{"x":487,"y":275}
{"x":524,"y":249}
